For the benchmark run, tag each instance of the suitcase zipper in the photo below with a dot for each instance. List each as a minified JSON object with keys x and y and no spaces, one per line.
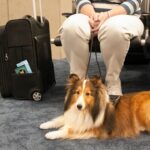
{"x":6,"y":57}
{"x":4,"y":76}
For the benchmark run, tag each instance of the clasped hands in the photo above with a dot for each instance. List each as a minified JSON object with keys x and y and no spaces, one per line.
{"x":96,"y":20}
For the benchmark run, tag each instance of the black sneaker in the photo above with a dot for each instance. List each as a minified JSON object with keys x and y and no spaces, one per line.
{"x":114,"y":99}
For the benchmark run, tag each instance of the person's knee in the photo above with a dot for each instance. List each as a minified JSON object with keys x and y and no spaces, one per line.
{"x":70,"y":24}
{"x":76,"y":25}
{"x":114,"y":31}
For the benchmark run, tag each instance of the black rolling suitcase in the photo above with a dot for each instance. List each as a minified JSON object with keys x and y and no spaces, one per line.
{"x":26,"y":66}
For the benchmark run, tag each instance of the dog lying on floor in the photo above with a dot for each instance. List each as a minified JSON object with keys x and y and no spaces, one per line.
{"x":88,"y":113}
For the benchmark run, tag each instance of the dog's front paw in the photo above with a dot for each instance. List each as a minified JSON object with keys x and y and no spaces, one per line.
{"x":52,"y":135}
{"x":45,"y":125}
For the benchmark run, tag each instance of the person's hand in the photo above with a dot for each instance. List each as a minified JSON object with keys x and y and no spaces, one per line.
{"x":94,"y":22}
{"x":97,"y":20}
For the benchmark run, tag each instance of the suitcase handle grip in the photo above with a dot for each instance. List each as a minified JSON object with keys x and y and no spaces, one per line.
{"x":34,"y":10}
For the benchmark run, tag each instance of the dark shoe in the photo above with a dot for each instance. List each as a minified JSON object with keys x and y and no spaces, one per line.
{"x":114,"y":99}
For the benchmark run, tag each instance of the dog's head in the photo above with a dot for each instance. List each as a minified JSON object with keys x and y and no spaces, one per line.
{"x":86,"y":95}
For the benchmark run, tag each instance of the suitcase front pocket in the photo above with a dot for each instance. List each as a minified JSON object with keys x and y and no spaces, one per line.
{"x":27,"y":86}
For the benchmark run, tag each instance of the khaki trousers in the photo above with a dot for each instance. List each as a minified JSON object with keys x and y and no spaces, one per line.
{"x":114,"y":36}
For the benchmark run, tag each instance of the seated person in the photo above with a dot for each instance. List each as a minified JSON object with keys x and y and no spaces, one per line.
{"x":114,"y":29}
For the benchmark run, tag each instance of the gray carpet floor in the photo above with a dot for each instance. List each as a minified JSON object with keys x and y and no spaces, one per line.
{"x":20,"y":119}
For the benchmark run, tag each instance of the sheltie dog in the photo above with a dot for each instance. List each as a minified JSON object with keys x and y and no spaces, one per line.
{"x":89,"y":113}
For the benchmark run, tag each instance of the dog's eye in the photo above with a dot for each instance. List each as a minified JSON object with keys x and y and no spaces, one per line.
{"x":77,"y":92}
{"x":87,"y":94}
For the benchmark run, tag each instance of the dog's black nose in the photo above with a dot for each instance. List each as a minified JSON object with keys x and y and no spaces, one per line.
{"x":79,"y":106}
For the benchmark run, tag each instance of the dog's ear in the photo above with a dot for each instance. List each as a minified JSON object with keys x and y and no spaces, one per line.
{"x":73,"y":78}
{"x":96,"y":80}
{"x":109,"y":120}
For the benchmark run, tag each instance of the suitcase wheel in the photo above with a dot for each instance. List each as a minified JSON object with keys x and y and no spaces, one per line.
{"x":36,"y":95}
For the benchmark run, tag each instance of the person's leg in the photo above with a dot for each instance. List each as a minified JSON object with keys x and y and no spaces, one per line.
{"x":114,"y":36}
{"x":75,"y":35}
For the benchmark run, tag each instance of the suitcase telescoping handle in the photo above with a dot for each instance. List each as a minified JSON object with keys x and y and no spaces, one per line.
{"x":34,"y":10}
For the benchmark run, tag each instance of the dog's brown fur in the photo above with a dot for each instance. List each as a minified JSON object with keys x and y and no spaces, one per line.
{"x":132,"y":115}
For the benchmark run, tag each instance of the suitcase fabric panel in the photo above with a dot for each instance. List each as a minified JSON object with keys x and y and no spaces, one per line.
{"x":26,"y":39}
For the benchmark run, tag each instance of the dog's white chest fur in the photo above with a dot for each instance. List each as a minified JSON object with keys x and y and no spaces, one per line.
{"x":79,"y":120}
